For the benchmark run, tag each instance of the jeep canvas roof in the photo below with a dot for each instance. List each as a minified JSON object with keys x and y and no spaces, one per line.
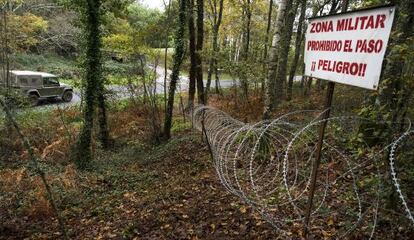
{"x":31,"y":73}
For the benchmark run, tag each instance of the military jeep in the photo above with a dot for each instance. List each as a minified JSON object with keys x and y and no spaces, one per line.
{"x":39,"y":86}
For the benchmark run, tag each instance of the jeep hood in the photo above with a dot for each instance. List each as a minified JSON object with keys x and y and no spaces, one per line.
{"x":65,"y":85}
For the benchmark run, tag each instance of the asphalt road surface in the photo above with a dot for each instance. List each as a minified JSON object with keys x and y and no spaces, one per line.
{"x":122,"y":92}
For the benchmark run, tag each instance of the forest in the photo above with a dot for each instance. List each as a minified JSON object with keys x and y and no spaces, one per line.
{"x":206,"y":119}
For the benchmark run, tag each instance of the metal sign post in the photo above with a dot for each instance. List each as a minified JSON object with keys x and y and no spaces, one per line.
{"x":316,"y":163}
{"x":348,"y":48}
{"x":327,"y":107}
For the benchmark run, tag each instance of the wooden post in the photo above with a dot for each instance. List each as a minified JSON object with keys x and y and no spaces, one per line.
{"x":327,"y":107}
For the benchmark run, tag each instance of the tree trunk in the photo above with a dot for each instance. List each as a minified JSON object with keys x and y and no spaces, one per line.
{"x":5,"y":62}
{"x":269,"y":25}
{"x":177,"y":61}
{"x":302,"y":72}
{"x":308,"y":86}
{"x":102,"y":117}
{"x":298,"y":42}
{"x":193,"y":61}
{"x":284,"y":54}
{"x":213,"y":59}
{"x":308,"y":81}
{"x":273,"y":60}
{"x":6,"y":49}
{"x":199,"y":48}
{"x":246,"y":47}
{"x":93,"y":77}
{"x":319,"y":85}
{"x":211,"y":63}
{"x":166,"y":54}
{"x":217,"y":75}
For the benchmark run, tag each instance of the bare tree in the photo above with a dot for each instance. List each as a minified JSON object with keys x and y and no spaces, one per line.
{"x":5,"y":47}
{"x":167,"y":34}
{"x":247,"y":16}
{"x":193,"y":61}
{"x":199,"y":49}
{"x":265,"y":52}
{"x":300,"y":35}
{"x":216,"y":18}
{"x":280,"y":91}
{"x":274,"y":58}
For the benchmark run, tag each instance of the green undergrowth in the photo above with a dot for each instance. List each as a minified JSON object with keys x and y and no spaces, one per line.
{"x":64,"y":67}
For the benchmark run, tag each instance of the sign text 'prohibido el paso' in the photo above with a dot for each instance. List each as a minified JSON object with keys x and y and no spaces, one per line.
{"x":349,"y":48}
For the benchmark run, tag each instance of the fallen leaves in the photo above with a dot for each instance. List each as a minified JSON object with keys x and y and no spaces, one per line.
{"x":330,"y":222}
{"x":243,"y":209}
{"x":327,"y":234}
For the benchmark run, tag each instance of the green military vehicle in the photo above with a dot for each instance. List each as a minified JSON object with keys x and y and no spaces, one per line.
{"x":39,"y":85}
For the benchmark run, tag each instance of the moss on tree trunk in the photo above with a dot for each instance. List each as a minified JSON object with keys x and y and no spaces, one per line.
{"x":177,"y":61}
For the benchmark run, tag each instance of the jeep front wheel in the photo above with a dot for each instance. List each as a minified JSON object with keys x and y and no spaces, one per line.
{"x":67,"y":96}
{"x":34,"y":99}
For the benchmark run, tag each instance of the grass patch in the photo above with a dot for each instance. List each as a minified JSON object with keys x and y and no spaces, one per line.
{"x":63,"y":67}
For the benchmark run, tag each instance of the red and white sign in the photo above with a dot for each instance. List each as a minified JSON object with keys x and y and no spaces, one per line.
{"x":348,"y":48}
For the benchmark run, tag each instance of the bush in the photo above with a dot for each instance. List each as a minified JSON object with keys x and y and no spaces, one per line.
{"x":63,"y":67}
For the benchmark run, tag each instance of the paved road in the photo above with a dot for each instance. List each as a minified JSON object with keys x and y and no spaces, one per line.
{"x":122,"y":92}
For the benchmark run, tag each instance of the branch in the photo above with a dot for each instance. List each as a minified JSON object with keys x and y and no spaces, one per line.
{"x":38,"y":170}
